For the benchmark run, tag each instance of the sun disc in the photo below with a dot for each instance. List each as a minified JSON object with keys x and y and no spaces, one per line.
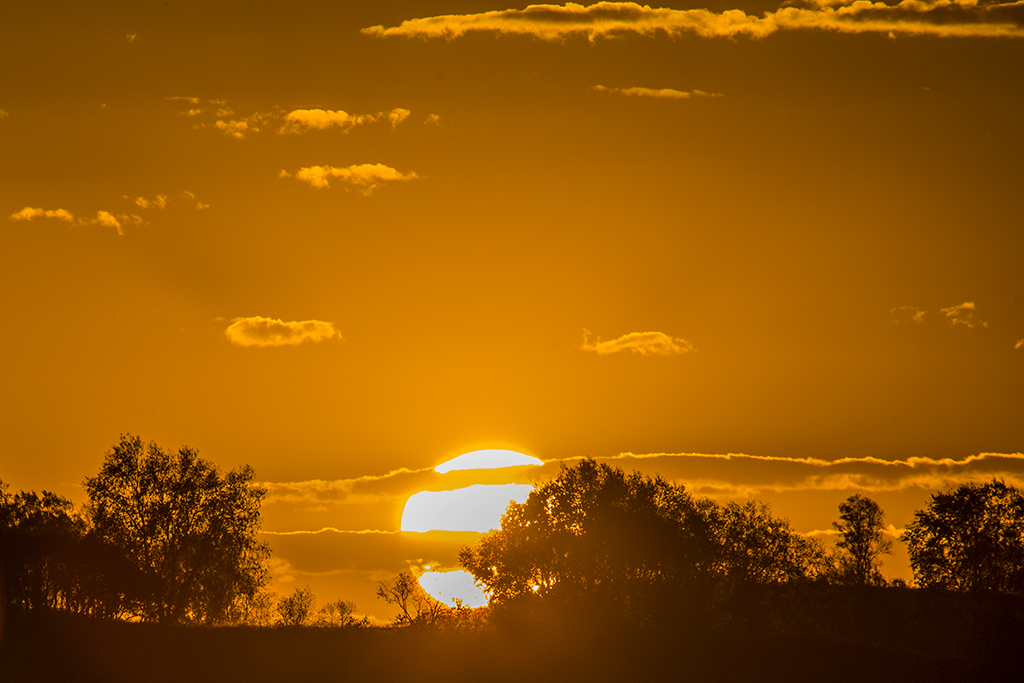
{"x":474,"y":508}
{"x":491,"y":458}
{"x":448,"y":587}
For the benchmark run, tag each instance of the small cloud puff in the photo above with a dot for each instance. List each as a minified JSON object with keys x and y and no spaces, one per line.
{"x":143,"y":203}
{"x":109,"y":220}
{"x":661,"y":93}
{"x":907,"y":314}
{"x":963,"y":315}
{"x":432,"y":119}
{"x":28,"y":213}
{"x":130,"y":37}
{"x":644,"y":343}
{"x":1019,"y":345}
{"x":235,"y":129}
{"x":262,"y":332}
{"x":3,"y":114}
{"x":363,"y":177}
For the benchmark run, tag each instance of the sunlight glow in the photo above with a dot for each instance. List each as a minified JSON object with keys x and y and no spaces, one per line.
{"x":474,"y":508}
{"x":448,"y":587}
{"x":487,"y":459}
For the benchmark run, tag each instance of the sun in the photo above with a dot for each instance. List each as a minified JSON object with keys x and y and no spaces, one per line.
{"x":478,"y":508}
{"x":453,"y":588}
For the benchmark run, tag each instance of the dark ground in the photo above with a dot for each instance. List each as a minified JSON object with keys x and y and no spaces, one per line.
{"x":866,"y":635}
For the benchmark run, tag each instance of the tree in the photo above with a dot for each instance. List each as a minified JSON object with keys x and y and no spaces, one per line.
{"x":630,"y":543}
{"x":40,"y":541}
{"x":189,"y":530}
{"x":339,"y":614}
{"x":970,"y":538}
{"x":51,"y":559}
{"x":757,"y":548}
{"x":297,"y":608}
{"x":405,"y":592}
{"x":860,"y":525}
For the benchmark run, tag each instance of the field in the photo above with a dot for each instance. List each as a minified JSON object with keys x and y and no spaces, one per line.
{"x":864,"y":635}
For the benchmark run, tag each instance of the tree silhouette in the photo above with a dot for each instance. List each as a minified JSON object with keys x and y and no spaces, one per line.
{"x":632,"y":543}
{"x":416,"y":605}
{"x":189,"y":531}
{"x":297,"y":609}
{"x":340,"y":613}
{"x":860,"y":525}
{"x":970,"y":538}
{"x":758,"y":548}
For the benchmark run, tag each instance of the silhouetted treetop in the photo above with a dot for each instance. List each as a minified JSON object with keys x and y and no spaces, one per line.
{"x":596,"y":533}
{"x":189,"y":530}
{"x":970,"y":538}
{"x":860,"y":526}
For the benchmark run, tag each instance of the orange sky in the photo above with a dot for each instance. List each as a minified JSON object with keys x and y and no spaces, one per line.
{"x":334,"y":240}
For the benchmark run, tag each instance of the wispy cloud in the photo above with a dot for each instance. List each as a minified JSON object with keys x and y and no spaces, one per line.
{"x":751,"y":476}
{"x":28,"y":213}
{"x":963,"y":315}
{"x":3,"y":114}
{"x":644,"y":343}
{"x":237,"y":129}
{"x":432,"y":119}
{"x":364,"y":178}
{"x":130,"y":37}
{"x":328,"y":529}
{"x":951,"y":18}
{"x":159,"y":202}
{"x":1019,"y":344}
{"x":242,"y":126}
{"x":261,"y":332}
{"x":907,"y":314}
{"x":660,"y":93}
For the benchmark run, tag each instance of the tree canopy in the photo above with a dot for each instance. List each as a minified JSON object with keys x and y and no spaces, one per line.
{"x":970,"y":538}
{"x":189,"y":530}
{"x":860,"y":525}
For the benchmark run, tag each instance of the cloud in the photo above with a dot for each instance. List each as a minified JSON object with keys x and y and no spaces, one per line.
{"x":304,"y":120}
{"x":327,"y":529}
{"x":190,"y":100}
{"x":236,"y":129}
{"x":953,"y":18}
{"x":662,"y":93}
{"x":109,"y":220}
{"x":28,"y":213}
{"x":751,"y":476}
{"x":1019,"y":344}
{"x":365,"y":178}
{"x":143,"y":203}
{"x":131,"y":37}
{"x":907,"y":314}
{"x":262,"y":332}
{"x":191,"y":195}
{"x":3,"y":114}
{"x":963,"y":315}
{"x":397,"y":115}
{"x":432,"y":119}
{"x":644,"y":343}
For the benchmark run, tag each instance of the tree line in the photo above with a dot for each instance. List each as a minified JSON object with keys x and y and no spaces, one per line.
{"x":166,"y":537}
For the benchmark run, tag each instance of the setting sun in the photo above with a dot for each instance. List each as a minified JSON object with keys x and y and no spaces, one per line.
{"x":487,"y":459}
